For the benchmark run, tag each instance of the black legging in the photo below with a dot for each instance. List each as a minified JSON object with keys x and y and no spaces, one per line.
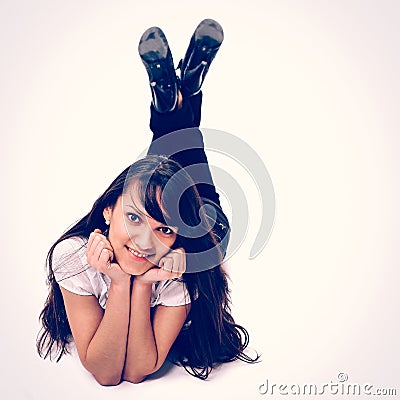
{"x":185,"y":145}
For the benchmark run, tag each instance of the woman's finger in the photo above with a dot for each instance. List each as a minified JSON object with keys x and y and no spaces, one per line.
{"x":179,"y":261}
{"x":105,"y":258}
{"x":167,"y":264}
{"x":90,"y":251}
{"x":92,"y":236}
{"x":99,"y":248}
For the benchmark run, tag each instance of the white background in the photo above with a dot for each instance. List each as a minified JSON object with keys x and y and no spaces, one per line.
{"x":313,"y":86}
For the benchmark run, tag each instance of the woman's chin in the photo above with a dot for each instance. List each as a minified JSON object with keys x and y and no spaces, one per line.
{"x":138,"y":269}
{"x":133,"y":265}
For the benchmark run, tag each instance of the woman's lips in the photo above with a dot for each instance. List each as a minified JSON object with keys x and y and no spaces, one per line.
{"x":135,"y":257}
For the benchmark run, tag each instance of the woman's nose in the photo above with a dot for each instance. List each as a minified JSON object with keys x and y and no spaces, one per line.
{"x":144,"y":238}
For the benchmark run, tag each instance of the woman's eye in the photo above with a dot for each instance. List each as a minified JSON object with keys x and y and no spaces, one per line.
{"x":133,"y":217}
{"x":166,"y":230}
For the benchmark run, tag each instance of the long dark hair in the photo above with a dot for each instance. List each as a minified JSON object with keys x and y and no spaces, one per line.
{"x":210,"y":335}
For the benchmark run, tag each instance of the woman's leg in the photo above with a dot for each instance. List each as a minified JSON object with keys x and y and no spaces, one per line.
{"x":175,"y":124}
{"x":177,"y":136}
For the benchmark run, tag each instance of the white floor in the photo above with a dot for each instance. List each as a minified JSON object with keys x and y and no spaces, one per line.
{"x":312,"y":86}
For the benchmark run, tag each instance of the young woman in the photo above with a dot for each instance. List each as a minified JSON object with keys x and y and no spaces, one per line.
{"x":139,"y":278}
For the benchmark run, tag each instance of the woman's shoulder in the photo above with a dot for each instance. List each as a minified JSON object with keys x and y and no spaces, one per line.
{"x":70,"y":245}
{"x":73,"y":272}
{"x":69,"y":254}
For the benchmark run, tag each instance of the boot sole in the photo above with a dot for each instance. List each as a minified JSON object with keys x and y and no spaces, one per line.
{"x":209,"y":33}
{"x":153,"y":45}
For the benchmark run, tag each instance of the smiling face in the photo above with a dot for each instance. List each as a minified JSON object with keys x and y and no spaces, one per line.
{"x":138,"y":240}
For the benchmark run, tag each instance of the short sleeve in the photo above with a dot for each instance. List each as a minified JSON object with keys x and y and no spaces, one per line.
{"x":170,"y":293}
{"x":72,"y":272}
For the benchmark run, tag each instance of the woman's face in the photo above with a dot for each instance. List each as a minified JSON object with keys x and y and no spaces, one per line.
{"x":139,"y":241}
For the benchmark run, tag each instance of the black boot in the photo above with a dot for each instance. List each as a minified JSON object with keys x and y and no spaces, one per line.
{"x":157,"y":58}
{"x":203,"y":47}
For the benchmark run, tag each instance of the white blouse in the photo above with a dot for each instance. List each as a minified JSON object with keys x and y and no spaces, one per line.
{"x":72,"y":272}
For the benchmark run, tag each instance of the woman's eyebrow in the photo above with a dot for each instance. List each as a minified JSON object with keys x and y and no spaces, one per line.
{"x":135,"y":209}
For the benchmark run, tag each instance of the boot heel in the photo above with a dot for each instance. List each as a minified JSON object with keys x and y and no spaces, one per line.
{"x":157,"y":59}
{"x":203,"y":47}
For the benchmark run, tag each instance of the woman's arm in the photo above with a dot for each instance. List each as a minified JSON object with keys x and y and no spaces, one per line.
{"x":100,"y":336}
{"x":150,"y":341}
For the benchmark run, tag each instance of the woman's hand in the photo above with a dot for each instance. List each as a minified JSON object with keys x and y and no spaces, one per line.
{"x":171,"y":266}
{"x":100,"y":254}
